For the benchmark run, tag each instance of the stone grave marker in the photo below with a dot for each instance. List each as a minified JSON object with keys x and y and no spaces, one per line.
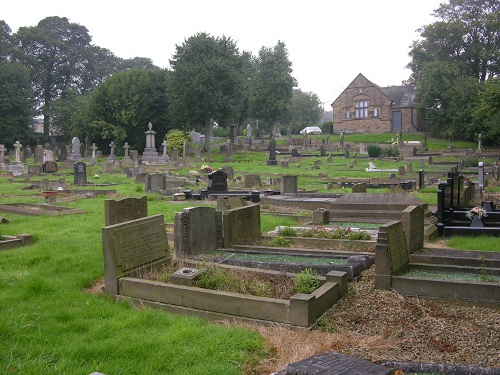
{"x":48,"y":155}
{"x":321,"y":216}
{"x":80,"y":173}
{"x":288,"y":184}
{"x":359,"y":187}
{"x":34,"y":170}
{"x":228,"y":203}
{"x":185,"y":149}
{"x":75,"y":149}
{"x":252,"y":181}
{"x":413,"y":226}
{"x":155,"y":182}
{"x":332,"y":363}
{"x":49,"y":167}
{"x":175,"y":154}
{"x":17,"y":155}
{"x":50,"y":185}
{"x":217,"y":181}
{"x":126,"y":209}
{"x":229,"y":170}
{"x":17,"y":170}
{"x":131,"y":245}
{"x":391,"y":254}
{"x":272,"y":152}
{"x":197,"y":230}
{"x":241,"y":225}
{"x":39,"y":154}
{"x":284,"y":164}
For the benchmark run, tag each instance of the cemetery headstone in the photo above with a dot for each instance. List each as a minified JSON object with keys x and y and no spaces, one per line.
{"x":185,"y":149}
{"x":17,"y":170}
{"x":34,"y":170}
{"x":288,"y":184}
{"x":359,"y":187}
{"x":3,"y":165}
{"x":252,"y":181}
{"x":249,"y":132}
{"x":112,"y":156}
{"x":80,"y":173}
{"x":75,"y":149}
{"x":391,"y":254}
{"x":197,"y":230}
{"x":217,"y":181}
{"x":228,"y":203}
{"x":321,"y":216}
{"x":413,"y":226}
{"x":39,"y":154}
{"x":229,"y":171}
{"x":48,"y":155}
{"x":49,"y":167}
{"x":17,"y":157}
{"x":241,"y":225}
{"x":150,"y":153}
{"x":232,"y":133}
{"x":63,"y":155}
{"x":341,"y":142}
{"x":126,"y":209}
{"x":155,"y":182}
{"x":164,"y":157}
{"x":131,"y":245}
{"x":175,"y":154}
{"x":272,"y":152}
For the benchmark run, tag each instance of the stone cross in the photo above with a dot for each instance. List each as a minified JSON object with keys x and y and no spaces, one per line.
{"x":2,"y":155}
{"x":18,"y":146}
{"x":112,"y":145}
{"x":94,"y":149}
{"x":164,"y":144}
{"x":126,"y":147}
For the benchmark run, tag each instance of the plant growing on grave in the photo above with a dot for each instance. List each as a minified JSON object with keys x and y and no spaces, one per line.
{"x":476,"y":211}
{"x":287,"y":232}
{"x":359,"y":236}
{"x":279,"y":242}
{"x":374,"y":151}
{"x":391,"y":151}
{"x":306,"y":281}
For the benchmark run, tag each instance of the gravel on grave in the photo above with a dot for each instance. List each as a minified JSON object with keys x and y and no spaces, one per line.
{"x":382,"y":325}
{"x":418,"y":330}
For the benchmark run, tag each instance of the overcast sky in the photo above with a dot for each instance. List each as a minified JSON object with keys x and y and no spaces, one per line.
{"x":329,"y":42}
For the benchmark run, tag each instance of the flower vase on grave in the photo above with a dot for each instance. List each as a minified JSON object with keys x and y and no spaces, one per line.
{"x":477,"y":222}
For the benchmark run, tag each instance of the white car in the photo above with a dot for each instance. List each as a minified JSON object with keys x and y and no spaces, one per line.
{"x":311,"y":130}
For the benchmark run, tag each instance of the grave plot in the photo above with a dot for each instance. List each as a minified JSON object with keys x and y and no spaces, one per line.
{"x":454,"y":276}
{"x":456,"y":213}
{"x":39,"y":209}
{"x":12,"y":242}
{"x":140,"y":245}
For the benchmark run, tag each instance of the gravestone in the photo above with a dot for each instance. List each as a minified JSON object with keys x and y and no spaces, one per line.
{"x":17,"y":170}
{"x":228,"y":203}
{"x":359,"y":187}
{"x":3,"y":165}
{"x":49,"y":167}
{"x":39,"y":154}
{"x":197,"y":230}
{"x":75,"y":149}
{"x":164,"y":157}
{"x":217,"y":181}
{"x":284,"y":164}
{"x":391,"y":254}
{"x":317,"y":163}
{"x":413,"y":226}
{"x":48,"y":155}
{"x":17,"y":157}
{"x":150,"y":153}
{"x":249,"y":132}
{"x":321,"y":216}
{"x":51,"y":185}
{"x":401,"y":170}
{"x":229,"y":171}
{"x":288,"y":184}
{"x":197,"y":152}
{"x":109,"y":166}
{"x":63,"y":154}
{"x":252,"y":181}
{"x":156,"y":183}
{"x":295,"y":153}
{"x":341,"y":142}
{"x":332,"y":363}
{"x":80,"y":173}
{"x":272,"y":152}
{"x":175,"y":154}
{"x":185,"y":149}
{"x":111,"y":156}
{"x":126,"y":209}
{"x":196,"y":137}
{"x":241,"y":225}
{"x":34,"y":170}
{"x":132,"y":245}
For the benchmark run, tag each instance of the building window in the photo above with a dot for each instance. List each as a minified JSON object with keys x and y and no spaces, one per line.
{"x":375,"y":112}
{"x":361,"y":108}
{"x":348,"y":113}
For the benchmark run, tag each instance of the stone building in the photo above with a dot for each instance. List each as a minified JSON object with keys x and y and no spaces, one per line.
{"x":366,"y":107}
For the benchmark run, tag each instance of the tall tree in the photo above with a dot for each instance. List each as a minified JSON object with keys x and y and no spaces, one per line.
{"x":130,"y":100}
{"x":451,"y":62}
{"x":306,"y":109}
{"x":15,"y":104}
{"x":272,"y":85}
{"x":207,"y":82}
{"x":486,"y":115}
{"x":5,"y":41}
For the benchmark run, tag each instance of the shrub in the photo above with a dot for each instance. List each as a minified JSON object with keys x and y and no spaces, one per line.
{"x":279,"y":242}
{"x":306,"y":281}
{"x":374,"y":151}
{"x":287,"y":232}
{"x":361,"y":235}
{"x":175,"y":139}
{"x":391,"y":151}
{"x":471,"y":161}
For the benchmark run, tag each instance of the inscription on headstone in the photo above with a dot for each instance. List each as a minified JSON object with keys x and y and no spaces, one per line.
{"x":217,"y":181}
{"x":80,"y":173}
{"x":49,"y":167}
{"x":127,"y":209}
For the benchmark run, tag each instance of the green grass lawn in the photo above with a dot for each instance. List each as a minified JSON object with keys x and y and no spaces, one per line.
{"x":50,"y":324}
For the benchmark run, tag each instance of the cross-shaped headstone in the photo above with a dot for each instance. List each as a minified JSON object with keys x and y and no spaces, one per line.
{"x":18,"y":146}
{"x":126,"y":147}
{"x":94,"y":149}
{"x":164,"y":144}
{"x":112,"y":145}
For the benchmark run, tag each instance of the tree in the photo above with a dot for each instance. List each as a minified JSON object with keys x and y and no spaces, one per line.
{"x":130,"y":100}
{"x":15,"y":105}
{"x":207,"y":82}
{"x":306,"y":109}
{"x":451,"y":62}
{"x":5,"y":41}
{"x":486,"y":115}
{"x":272,"y":86}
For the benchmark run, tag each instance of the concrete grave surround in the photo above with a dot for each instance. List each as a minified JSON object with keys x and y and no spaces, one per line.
{"x":126,"y":209}
{"x":197,"y":230}
{"x":132,"y":245}
{"x":241,"y":225}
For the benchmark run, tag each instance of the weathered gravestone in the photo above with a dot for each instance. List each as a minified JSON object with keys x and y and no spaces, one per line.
{"x":17,"y":170}
{"x":288,"y":184}
{"x":132,"y":245}
{"x":156,"y":182}
{"x":413,"y":226}
{"x":331,"y":363}
{"x":321,"y":216}
{"x":49,"y":167}
{"x":228,"y":203}
{"x":229,"y":171}
{"x":197,"y":230}
{"x":217,"y":181}
{"x":391,"y":254}
{"x":252,"y":180}
{"x":80,"y":173}
{"x":126,"y":209}
{"x":241,"y":225}
{"x":359,"y":187}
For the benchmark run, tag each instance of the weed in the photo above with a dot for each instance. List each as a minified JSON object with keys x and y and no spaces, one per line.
{"x":306,"y":281}
{"x":279,"y":242}
{"x":287,"y":232}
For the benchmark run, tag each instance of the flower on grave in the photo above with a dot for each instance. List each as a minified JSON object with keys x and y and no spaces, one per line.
{"x":206,"y":168}
{"x":476,"y":211}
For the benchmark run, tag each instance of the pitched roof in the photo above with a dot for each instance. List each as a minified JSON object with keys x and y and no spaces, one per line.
{"x":401,"y":96}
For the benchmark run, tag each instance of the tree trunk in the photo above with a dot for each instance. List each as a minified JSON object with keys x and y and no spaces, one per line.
{"x":208,"y":125}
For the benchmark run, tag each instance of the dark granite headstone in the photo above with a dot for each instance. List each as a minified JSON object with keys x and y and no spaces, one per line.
{"x":217,"y":181}
{"x":80,"y":173}
{"x":49,"y":167}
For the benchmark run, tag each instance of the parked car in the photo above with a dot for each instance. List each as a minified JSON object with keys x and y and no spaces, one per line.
{"x":311,"y":130}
